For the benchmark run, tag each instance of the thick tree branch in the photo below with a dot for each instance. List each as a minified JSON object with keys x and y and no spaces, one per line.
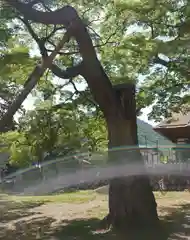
{"x":66,"y":15}
{"x":162,"y":62}
{"x":94,"y":74}
{"x":30,"y":84}
{"x":34,"y":2}
{"x":69,"y":72}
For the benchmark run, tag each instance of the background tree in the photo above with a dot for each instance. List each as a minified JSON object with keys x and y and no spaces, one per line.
{"x":52,"y":131}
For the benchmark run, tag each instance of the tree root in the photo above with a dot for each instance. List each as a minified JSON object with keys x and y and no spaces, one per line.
{"x":106,"y":222}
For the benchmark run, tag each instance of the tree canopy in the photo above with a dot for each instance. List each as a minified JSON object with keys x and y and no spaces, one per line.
{"x":144,"y":42}
{"x":147,"y":43}
{"x":130,"y":54}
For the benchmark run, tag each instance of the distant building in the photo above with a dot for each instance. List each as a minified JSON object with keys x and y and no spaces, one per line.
{"x":177,"y":130}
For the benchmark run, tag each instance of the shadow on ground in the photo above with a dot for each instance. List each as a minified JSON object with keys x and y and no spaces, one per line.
{"x":175,"y":226}
{"x":19,"y":221}
{"x":11,"y":210}
{"x":32,"y":229}
{"x":177,"y":222}
{"x":80,"y":229}
{"x":87,"y":229}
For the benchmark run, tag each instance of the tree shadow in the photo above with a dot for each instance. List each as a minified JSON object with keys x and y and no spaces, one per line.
{"x":83,"y":229}
{"x":11,"y":210}
{"x":31,"y":229}
{"x":177,"y":222}
{"x":88,"y":229}
{"x":19,"y":220}
{"x":174,"y":226}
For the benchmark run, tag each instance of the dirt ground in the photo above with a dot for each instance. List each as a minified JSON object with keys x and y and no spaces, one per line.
{"x":56,"y":220}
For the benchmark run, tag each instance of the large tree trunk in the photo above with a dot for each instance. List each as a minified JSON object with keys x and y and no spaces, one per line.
{"x":131,"y":200}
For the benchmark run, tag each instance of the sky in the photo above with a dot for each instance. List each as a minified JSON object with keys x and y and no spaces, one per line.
{"x":29,"y":103}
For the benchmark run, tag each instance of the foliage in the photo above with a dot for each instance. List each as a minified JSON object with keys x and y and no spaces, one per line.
{"x":60,"y":132}
{"x":152,"y":50}
{"x":145,"y":42}
{"x":15,"y":62}
{"x":141,"y":41}
{"x":53,"y":131}
{"x":15,"y":145}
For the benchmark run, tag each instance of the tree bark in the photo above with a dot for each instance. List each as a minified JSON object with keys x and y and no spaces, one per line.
{"x":131,"y":201}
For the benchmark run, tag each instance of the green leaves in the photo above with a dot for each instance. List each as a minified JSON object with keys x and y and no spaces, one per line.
{"x":137,"y":41}
{"x":15,"y":143}
{"x":16,"y":64}
{"x":17,"y":56}
{"x":151,"y":32}
{"x":144,"y":98}
{"x":48,"y":130}
{"x":5,"y":34}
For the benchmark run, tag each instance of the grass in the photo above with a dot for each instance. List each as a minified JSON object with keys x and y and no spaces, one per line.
{"x":73,"y":197}
{"x":78,"y":217}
